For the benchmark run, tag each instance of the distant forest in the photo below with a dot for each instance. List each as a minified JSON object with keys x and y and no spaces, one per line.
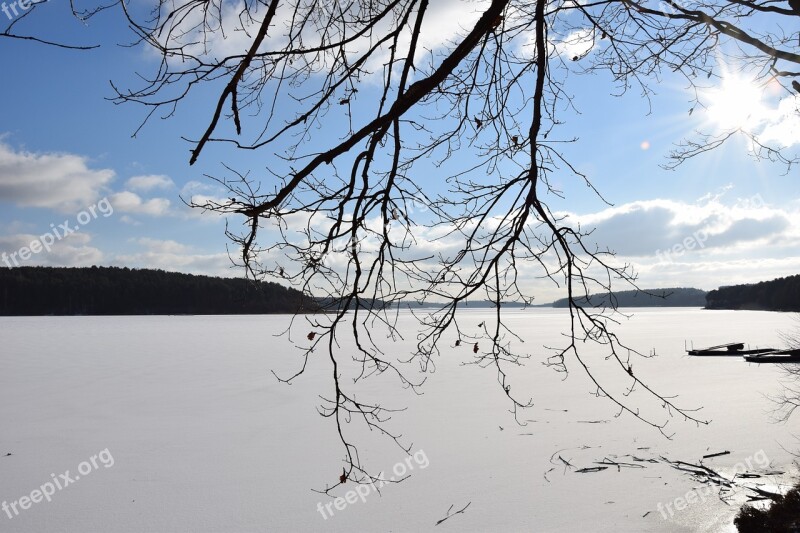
{"x":677,"y":297}
{"x":124,"y":291}
{"x":782,"y":294}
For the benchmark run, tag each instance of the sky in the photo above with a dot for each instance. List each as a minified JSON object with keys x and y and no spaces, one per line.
{"x":76,"y":170}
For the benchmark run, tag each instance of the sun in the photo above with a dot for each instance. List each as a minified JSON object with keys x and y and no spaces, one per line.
{"x":737,"y":103}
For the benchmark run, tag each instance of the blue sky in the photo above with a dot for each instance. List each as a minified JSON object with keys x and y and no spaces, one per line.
{"x":64,"y":147}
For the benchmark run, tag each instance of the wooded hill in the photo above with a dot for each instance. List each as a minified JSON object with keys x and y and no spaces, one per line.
{"x":677,"y":297}
{"x":782,"y":294}
{"x":124,"y":291}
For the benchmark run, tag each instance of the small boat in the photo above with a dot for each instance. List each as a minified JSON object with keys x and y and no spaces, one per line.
{"x":775,"y":356}
{"x":725,"y":353}
{"x":728,"y":350}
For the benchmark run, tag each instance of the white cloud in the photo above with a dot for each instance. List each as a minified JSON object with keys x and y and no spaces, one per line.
{"x":201,"y":194}
{"x":59,"y":181}
{"x":163,"y":246}
{"x":703,"y":245}
{"x":731,"y":241}
{"x":205,"y":200}
{"x":176,"y":257}
{"x":709,"y":275}
{"x":645,"y":228}
{"x":782,"y":125}
{"x":232,"y":34}
{"x":576,"y":44}
{"x":149,"y":182}
{"x":130,"y":202}
{"x":447,"y":19}
{"x":196,"y":187}
{"x":73,"y":251}
{"x":129,"y":220}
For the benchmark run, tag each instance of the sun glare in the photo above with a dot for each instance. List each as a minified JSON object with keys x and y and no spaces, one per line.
{"x":735,"y":103}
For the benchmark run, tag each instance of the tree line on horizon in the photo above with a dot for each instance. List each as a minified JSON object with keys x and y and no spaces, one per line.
{"x":674,"y":297}
{"x":36,"y":291}
{"x":781,"y":294}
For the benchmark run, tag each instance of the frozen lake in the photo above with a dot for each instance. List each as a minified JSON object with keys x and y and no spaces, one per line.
{"x":177,"y":424}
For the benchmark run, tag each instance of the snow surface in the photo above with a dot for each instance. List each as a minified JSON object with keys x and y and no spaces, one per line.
{"x":204,"y":438}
